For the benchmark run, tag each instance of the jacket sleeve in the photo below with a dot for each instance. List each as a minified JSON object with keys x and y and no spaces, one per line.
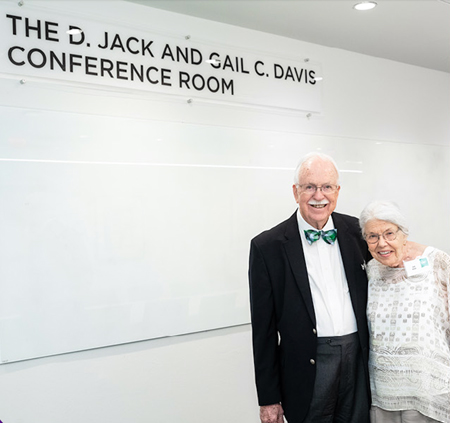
{"x":264,"y":329}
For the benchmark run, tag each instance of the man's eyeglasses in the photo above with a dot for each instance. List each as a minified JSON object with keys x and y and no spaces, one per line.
{"x":311,"y":188}
{"x":388,"y":236}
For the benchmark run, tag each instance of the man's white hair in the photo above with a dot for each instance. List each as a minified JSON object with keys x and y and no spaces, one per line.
{"x":308,"y":158}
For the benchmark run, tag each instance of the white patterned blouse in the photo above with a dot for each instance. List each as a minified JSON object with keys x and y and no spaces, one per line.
{"x":409,"y":327}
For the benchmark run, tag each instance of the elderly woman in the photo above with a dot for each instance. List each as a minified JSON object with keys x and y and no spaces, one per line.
{"x":409,"y":323}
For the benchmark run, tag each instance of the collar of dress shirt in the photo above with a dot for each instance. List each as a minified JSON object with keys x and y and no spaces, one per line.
{"x":304,"y":226}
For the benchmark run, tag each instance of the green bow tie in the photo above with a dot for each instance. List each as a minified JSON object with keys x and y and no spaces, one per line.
{"x":328,"y":236}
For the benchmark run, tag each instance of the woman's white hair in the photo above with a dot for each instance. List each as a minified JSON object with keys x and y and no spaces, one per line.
{"x":308,"y":158}
{"x":383,"y":210}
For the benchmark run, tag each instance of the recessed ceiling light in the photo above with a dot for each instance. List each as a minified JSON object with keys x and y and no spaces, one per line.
{"x":365,"y":5}
{"x":74,"y":31}
{"x":213,"y":61}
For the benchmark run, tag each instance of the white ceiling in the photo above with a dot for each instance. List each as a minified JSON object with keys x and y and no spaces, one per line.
{"x":416,"y":32}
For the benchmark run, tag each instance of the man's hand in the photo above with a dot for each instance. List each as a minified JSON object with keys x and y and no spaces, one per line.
{"x":271,"y":413}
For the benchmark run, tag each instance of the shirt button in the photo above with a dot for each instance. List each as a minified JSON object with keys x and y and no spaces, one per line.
{"x":312,"y":361}
{"x":314,"y":331}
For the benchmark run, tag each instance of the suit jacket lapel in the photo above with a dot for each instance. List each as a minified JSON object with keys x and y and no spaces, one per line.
{"x":345,"y":243}
{"x":294,"y":252}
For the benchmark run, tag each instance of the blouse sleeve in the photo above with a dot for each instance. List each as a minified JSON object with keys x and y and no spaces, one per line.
{"x":442,"y":274}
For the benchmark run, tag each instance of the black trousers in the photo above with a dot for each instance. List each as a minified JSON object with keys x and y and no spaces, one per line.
{"x":340,"y":393}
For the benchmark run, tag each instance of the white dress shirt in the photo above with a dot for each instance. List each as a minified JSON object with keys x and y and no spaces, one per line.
{"x":328,"y":284}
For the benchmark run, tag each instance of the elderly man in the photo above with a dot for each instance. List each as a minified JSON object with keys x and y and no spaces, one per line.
{"x":308,"y":293}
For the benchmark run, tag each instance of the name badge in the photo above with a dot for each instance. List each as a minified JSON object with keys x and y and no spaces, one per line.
{"x":416,"y":266}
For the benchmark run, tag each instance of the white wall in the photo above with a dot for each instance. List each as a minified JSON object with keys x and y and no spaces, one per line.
{"x":204,"y":377}
{"x":208,"y":377}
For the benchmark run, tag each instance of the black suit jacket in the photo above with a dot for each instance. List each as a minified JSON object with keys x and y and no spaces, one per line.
{"x":283,"y":319}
